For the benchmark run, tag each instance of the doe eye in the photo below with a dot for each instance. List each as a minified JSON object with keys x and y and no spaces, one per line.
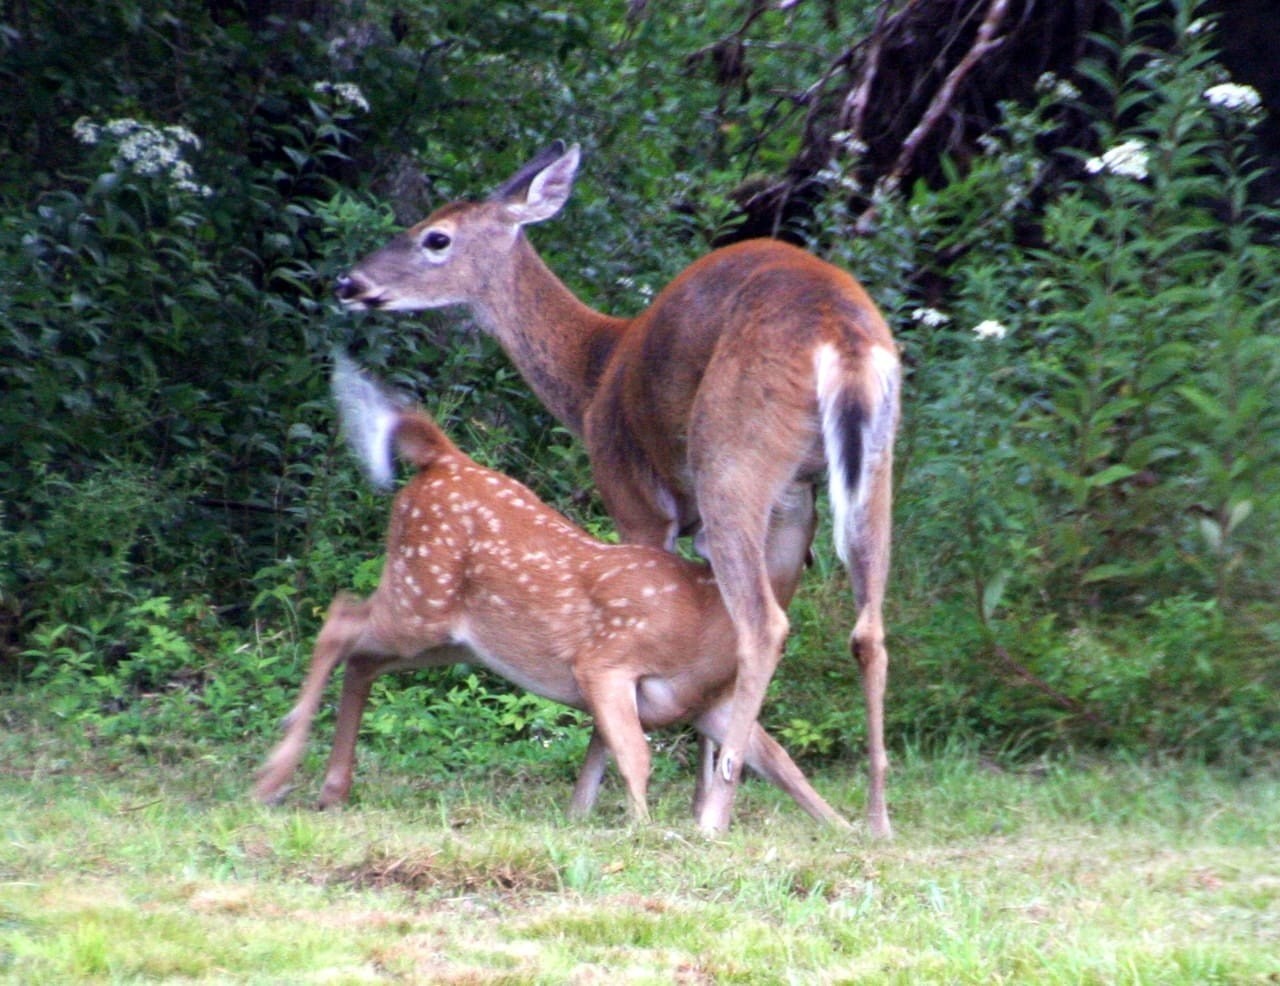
{"x":436,"y":240}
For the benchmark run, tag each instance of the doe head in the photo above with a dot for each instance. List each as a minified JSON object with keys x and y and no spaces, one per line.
{"x":450,"y":258}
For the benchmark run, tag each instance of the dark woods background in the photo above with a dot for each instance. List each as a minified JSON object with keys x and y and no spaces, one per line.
{"x":1087,"y":484}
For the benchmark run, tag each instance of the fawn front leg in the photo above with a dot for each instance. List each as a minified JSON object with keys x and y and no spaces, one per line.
{"x":612,"y":701}
{"x":590,"y":777}
{"x":705,"y":773}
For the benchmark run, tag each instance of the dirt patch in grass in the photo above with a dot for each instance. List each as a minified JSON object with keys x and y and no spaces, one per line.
{"x":443,"y":873}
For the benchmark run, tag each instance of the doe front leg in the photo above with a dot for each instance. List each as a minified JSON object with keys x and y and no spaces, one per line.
{"x":762,"y":629}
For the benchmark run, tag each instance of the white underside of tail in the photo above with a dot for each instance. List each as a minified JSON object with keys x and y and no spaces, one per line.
{"x":833,"y":391}
{"x":368,"y":417}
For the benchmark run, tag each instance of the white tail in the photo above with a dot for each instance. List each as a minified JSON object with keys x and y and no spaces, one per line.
{"x":712,"y":413}
{"x":369,"y":418}
{"x":479,"y":569}
{"x":857,"y":431}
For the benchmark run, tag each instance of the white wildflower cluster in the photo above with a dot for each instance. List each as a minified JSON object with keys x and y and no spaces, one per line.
{"x":991,"y":144}
{"x":1058,"y":87}
{"x":145,"y":149}
{"x":930,"y":317}
{"x":345,"y":93}
{"x":1127,"y":159}
{"x":836,"y":174}
{"x":645,"y":291}
{"x":990,"y":329}
{"x":847,"y":142}
{"x":1233,"y":97}
{"x":345,"y":49}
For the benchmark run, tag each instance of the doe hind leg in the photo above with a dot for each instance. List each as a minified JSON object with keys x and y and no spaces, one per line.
{"x":792,"y":524}
{"x":737,"y":537}
{"x":869,"y":570}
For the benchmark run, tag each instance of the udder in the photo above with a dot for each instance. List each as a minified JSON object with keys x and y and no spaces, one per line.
{"x":656,"y":702}
{"x":661,"y":701}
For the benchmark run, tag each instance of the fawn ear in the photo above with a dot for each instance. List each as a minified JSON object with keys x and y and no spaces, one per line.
{"x":540,"y":189}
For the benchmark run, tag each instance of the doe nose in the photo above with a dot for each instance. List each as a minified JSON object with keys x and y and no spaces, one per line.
{"x":347,"y":287}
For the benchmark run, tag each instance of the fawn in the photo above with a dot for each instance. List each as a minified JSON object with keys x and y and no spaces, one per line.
{"x":478,"y":569}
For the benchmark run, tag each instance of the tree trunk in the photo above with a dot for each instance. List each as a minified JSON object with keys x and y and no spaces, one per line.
{"x":928,"y":81}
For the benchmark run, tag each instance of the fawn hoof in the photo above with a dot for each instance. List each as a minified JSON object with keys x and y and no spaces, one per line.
{"x":333,"y":796}
{"x":268,"y":794}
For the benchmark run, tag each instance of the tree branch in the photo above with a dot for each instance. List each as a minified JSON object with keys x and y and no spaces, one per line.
{"x":853,"y":114}
{"x":985,"y":43}
{"x":1031,"y":678}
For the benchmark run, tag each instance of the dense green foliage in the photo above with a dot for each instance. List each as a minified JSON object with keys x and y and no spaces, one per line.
{"x":1087,"y":485}
{"x":1093,"y":442}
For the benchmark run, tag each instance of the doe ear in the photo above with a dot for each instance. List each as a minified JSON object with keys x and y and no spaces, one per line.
{"x":540,"y":189}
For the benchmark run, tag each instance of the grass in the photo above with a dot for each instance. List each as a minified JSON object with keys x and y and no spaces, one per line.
{"x":115,"y":868}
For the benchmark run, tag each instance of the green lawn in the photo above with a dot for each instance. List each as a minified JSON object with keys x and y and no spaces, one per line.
{"x":115,"y":870}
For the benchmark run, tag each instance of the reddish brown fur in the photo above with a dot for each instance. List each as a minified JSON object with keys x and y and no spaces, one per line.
{"x":478,"y":569}
{"x":712,"y":413}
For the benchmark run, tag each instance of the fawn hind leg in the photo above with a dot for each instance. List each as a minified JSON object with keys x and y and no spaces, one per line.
{"x":344,"y":631}
{"x":347,"y":635}
{"x":362,"y":670}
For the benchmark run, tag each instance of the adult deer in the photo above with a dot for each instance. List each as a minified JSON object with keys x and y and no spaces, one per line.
{"x":713,"y":412}
{"x":479,"y":569}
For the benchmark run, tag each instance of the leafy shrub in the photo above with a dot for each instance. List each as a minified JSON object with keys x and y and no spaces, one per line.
{"x":1087,"y":443}
{"x":1090,"y":451}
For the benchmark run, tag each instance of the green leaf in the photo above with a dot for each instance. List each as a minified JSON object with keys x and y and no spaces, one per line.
{"x":1212,"y":532}
{"x":1112,"y":474}
{"x":1203,"y":402}
{"x":993,"y":593}
{"x":1238,"y":514}
{"x":1113,"y":570}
